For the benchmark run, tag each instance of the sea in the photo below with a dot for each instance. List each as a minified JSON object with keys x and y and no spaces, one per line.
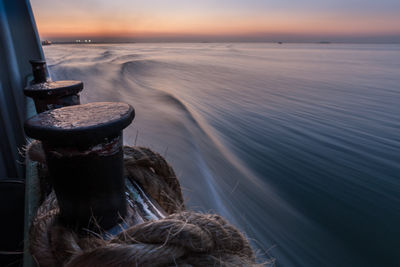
{"x":298,"y":145}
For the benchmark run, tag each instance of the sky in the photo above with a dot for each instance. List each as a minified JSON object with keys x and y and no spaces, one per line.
{"x":219,"y":20}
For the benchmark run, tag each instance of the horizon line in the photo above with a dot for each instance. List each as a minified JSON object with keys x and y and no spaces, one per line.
{"x":322,"y":42}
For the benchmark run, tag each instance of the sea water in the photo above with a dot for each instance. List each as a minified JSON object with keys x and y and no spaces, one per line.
{"x":296,"y":144}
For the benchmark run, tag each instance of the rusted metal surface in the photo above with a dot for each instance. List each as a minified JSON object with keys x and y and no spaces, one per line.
{"x":88,"y":183}
{"x":83,"y":147}
{"x":80,"y":125}
{"x":53,"y":89}
{"x":39,"y":70}
{"x":51,"y":95}
{"x":45,"y":104}
{"x":48,"y":94}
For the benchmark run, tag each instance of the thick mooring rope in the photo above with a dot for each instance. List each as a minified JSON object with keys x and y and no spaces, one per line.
{"x":182,"y":238}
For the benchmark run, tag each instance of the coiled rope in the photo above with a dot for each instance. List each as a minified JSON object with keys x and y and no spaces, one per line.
{"x":182,"y":238}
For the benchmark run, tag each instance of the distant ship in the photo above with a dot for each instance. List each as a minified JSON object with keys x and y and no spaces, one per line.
{"x":46,"y":42}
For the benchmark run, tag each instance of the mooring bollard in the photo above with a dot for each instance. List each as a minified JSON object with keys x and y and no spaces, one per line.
{"x":39,"y":71}
{"x":83,"y":147}
{"x":49,"y":95}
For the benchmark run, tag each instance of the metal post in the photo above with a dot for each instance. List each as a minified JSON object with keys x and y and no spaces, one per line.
{"x":49,"y":95}
{"x":83,"y":147}
{"x":39,"y":71}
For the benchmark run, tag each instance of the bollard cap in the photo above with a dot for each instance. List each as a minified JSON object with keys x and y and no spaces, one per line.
{"x":79,"y":125}
{"x":37,"y":61}
{"x":53,"y":89}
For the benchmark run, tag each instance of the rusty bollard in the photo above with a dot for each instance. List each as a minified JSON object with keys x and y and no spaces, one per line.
{"x":39,"y":71}
{"x":83,"y":147}
{"x":49,"y":95}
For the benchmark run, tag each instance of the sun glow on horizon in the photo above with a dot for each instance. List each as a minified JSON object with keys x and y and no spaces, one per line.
{"x":58,"y":19}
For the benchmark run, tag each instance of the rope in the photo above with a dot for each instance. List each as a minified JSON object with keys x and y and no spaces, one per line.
{"x":155,"y":175}
{"x":182,"y":238}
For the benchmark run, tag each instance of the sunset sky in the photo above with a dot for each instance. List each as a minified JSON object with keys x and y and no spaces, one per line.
{"x":219,"y":20}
